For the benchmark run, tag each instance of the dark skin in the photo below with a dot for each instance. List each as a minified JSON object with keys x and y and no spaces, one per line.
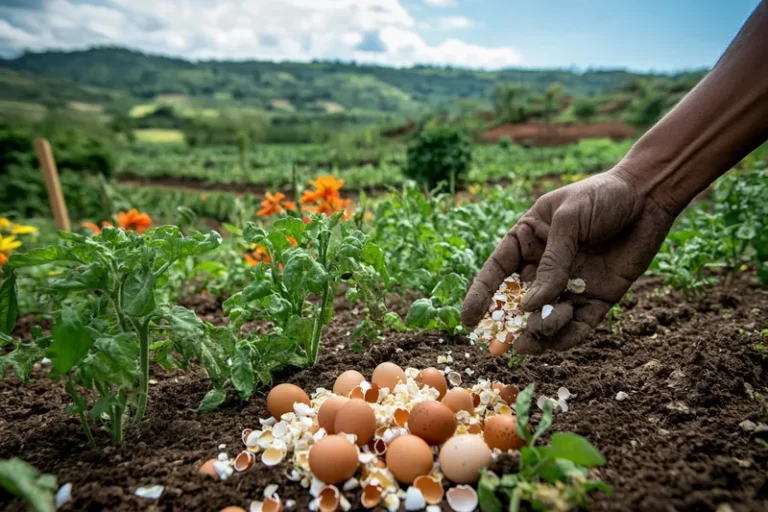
{"x":608,"y":228}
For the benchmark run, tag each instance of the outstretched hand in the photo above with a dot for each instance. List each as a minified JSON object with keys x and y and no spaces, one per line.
{"x":601,"y":229}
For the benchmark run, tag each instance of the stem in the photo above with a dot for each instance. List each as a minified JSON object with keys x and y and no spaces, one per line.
{"x":117,"y":423}
{"x":143,"y":329}
{"x":317,"y":328}
{"x":80,"y":411}
{"x":120,"y":316}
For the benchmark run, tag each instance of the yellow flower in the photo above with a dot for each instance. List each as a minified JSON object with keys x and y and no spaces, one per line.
{"x":4,"y":223}
{"x":18,"y":229}
{"x":8,"y":243}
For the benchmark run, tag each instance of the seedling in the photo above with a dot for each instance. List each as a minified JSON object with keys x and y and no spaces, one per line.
{"x":554,"y":476}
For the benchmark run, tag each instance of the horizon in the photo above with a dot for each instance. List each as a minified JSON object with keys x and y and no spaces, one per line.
{"x":656,"y":37}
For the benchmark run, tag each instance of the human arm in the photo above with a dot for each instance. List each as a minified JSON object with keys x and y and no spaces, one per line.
{"x":607,"y":228}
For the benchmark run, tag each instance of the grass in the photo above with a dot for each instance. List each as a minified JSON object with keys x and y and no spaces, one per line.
{"x":23,"y":108}
{"x":159,"y":136}
{"x":88,"y":108}
{"x":142,"y":110}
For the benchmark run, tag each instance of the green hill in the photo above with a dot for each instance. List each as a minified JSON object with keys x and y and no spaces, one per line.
{"x":108,"y":75}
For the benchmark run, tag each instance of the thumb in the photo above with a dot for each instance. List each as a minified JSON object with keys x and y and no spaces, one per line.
{"x":555,"y":264}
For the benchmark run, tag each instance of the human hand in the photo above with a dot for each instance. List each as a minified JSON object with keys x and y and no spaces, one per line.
{"x":601,"y":229}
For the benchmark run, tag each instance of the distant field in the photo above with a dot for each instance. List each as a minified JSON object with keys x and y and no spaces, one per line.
{"x":142,"y":110}
{"x":88,"y":108}
{"x":159,"y":136}
{"x":23,"y":108}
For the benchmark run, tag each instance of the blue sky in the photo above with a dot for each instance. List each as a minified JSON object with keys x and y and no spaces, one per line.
{"x":636,"y":34}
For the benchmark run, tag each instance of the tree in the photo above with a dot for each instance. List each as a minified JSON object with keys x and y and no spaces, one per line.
{"x":551,"y":99}
{"x":584,"y":110}
{"x":439,"y":154}
{"x":505,"y":101}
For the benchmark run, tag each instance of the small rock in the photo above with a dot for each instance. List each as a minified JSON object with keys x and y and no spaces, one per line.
{"x":747,"y":426}
{"x":679,"y":407}
{"x":621,"y":396}
{"x":152,"y":493}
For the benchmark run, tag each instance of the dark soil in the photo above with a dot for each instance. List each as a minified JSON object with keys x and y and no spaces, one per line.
{"x":674,"y":444}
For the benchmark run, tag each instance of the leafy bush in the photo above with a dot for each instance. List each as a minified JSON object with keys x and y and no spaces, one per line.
{"x":439,"y":155}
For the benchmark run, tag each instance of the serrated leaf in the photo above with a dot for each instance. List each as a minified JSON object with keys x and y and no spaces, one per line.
{"x":71,"y":341}
{"x":212,"y":400}
{"x":523,"y":412}
{"x":242,"y":371}
{"x":40,"y":256}
{"x":138,"y":293}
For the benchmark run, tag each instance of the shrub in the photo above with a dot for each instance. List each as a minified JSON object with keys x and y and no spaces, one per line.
{"x":437,"y":155}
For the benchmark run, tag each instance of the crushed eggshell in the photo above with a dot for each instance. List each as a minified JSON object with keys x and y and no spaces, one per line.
{"x":505,"y":319}
{"x":462,"y":498}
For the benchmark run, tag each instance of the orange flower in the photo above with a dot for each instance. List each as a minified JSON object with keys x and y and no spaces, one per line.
{"x":3,"y":259}
{"x":259,"y":255}
{"x":368,"y":216}
{"x":134,"y":221}
{"x":326,"y":187}
{"x":95,"y":227}
{"x":273,"y":204}
{"x":292,"y":241}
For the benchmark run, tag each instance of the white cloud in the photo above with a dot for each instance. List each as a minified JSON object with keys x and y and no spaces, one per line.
{"x":376,"y":31}
{"x":454,"y":22}
{"x":441,"y":3}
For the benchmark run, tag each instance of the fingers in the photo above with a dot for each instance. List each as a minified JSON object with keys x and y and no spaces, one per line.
{"x":504,"y":260}
{"x":555,"y":264}
{"x":564,"y":328}
{"x":540,"y":327}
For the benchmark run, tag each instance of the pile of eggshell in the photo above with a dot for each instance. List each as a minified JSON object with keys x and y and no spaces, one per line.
{"x":377,"y":435}
{"x":505,"y":319}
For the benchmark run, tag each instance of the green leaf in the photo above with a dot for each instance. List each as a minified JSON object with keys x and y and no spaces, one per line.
{"x":71,"y":341}
{"x":450,"y":288}
{"x":25,"y":481}
{"x":242,"y":371}
{"x":254,"y":234}
{"x":212,"y":400}
{"x":486,"y":492}
{"x":40,"y":256}
{"x":114,"y":360}
{"x":291,"y":226}
{"x":420,"y":314}
{"x":374,"y":256}
{"x":9,"y":307}
{"x":450,"y":316}
{"x":21,"y":359}
{"x":573,"y":447}
{"x":544,"y":424}
{"x":138,"y":294}
{"x":304,"y":273}
{"x":523,"y":412}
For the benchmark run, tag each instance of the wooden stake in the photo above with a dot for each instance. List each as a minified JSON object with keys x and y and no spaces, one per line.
{"x":52,"y":184}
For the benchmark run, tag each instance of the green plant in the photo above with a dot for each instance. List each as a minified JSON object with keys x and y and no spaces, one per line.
{"x":107,"y":321}
{"x":584,"y":110}
{"x":26,"y":482}
{"x":293,"y":288}
{"x":439,"y":154}
{"x":241,"y":141}
{"x":442,"y":310}
{"x":550,"y":477}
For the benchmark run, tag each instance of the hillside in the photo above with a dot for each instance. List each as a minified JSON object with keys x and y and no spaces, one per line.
{"x":291,"y":86}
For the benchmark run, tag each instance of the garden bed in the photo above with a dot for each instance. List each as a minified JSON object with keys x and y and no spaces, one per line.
{"x":674,"y":444}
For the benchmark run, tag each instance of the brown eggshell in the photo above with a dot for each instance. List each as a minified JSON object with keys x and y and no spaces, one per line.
{"x":409,"y":456}
{"x":333,"y":459}
{"x":326,"y":416}
{"x":232,"y":509}
{"x":208,"y":469}
{"x":356,"y":417}
{"x":459,"y":399}
{"x":496,"y":348}
{"x":387,"y":375}
{"x":501,"y":432}
{"x":434,"y":422}
{"x":509,"y":393}
{"x":347,"y":381}
{"x":433,"y":378}
{"x":281,"y":398}
{"x":462,"y":457}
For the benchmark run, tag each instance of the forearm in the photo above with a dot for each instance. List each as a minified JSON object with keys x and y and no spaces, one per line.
{"x":718,"y":123}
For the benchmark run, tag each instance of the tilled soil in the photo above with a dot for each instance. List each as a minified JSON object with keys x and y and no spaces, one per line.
{"x":688,"y":367}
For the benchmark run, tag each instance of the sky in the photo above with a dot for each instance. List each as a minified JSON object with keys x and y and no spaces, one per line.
{"x":641,"y":35}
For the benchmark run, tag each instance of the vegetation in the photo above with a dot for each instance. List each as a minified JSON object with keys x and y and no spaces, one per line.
{"x":439,"y":155}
